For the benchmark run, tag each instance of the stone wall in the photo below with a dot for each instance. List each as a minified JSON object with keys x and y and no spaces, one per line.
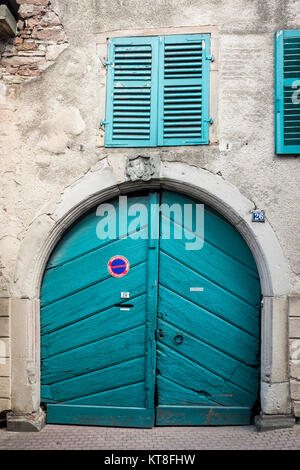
{"x":5,"y":359}
{"x":294,"y":332}
{"x":50,"y":136}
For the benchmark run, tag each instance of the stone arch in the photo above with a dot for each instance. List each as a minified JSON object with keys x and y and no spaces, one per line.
{"x":98,"y":186}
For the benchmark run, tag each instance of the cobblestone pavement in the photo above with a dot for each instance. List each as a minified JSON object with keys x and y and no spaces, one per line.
{"x":167,"y":438}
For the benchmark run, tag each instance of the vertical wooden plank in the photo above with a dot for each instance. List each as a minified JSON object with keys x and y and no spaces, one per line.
{"x":151,"y":313}
{"x":109,"y":95}
{"x":161,"y":85}
{"x":205,"y":88}
{"x":154,"y":95}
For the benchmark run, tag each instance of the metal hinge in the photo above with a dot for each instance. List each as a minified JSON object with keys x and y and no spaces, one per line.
{"x":103,"y":123}
{"x":210,"y":57}
{"x":210,"y":120}
{"x":105,"y":63}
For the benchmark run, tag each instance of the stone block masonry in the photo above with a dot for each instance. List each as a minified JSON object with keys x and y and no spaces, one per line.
{"x":40,"y":39}
{"x":5,"y":359}
{"x":294,"y":334}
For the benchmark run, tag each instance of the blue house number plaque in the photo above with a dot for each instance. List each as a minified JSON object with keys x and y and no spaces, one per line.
{"x":258,"y":216}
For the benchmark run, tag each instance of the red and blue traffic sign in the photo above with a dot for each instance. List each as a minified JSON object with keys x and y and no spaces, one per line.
{"x":118,"y":266}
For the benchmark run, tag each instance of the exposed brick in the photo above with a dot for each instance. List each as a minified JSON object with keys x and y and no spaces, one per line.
{"x":12,"y":70}
{"x":18,"y":40}
{"x":52,"y":34}
{"x":31,"y":53}
{"x":39,"y":41}
{"x":26,"y":33}
{"x":16,"y":60}
{"x":27,"y":46}
{"x":26,"y":11}
{"x":29,"y":72}
{"x":50,"y":19}
{"x":8,"y":54}
{"x":20,"y":25}
{"x":33,"y":22}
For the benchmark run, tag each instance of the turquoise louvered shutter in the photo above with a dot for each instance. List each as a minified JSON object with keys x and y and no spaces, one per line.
{"x":184,"y":90}
{"x":131,"y":104}
{"x":158,"y":91}
{"x":287,"y":92}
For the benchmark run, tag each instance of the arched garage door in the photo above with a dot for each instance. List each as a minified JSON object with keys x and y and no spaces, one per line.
{"x":175,"y":341}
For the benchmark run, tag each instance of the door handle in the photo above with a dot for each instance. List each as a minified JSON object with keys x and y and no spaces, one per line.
{"x":178,"y":339}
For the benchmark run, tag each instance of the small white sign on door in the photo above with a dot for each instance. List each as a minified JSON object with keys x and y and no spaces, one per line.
{"x":125,"y":295}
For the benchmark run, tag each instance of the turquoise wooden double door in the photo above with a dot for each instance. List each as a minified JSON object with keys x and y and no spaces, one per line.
{"x":175,"y":341}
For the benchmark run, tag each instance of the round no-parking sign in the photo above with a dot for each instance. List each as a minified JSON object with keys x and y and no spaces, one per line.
{"x":118,"y":266}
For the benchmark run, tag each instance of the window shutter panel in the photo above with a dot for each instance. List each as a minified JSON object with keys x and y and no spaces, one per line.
{"x":131,"y":103}
{"x":184,"y":90}
{"x":287,"y":92}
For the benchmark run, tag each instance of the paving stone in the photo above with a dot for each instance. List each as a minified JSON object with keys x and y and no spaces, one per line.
{"x":196,"y":438}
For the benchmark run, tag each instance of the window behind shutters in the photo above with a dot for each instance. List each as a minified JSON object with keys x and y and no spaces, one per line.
{"x":131,"y":92}
{"x":287,"y":91}
{"x":158,"y":91}
{"x":184,"y":90}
